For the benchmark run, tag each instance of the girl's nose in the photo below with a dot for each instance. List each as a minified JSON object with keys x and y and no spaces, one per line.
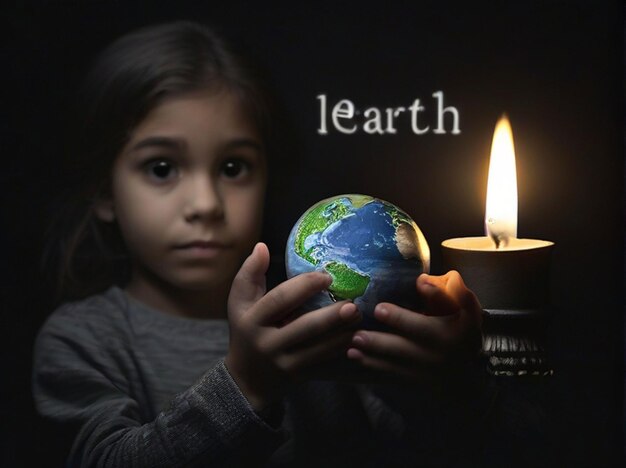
{"x":202,"y":200}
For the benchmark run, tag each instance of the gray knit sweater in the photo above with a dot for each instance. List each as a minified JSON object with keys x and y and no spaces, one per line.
{"x":143,"y":388}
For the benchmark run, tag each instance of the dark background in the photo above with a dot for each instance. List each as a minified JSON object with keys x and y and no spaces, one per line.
{"x":556,"y":68}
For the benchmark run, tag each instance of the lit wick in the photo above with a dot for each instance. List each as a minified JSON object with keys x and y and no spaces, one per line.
{"x":498,"y":236}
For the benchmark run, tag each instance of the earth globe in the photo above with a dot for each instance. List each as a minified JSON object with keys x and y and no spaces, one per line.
{"x":372,"y":250}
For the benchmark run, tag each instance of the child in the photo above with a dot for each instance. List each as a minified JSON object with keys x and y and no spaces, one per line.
{"x":146,"y":369}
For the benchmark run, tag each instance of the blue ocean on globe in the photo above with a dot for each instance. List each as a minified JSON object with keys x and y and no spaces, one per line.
{"x":372,"y":249}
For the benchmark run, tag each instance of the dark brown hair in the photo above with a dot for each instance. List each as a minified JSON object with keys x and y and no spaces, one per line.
{"x":132,"y":76}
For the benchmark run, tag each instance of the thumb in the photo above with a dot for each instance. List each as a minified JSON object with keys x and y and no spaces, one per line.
{"x":434,"y":290}
{"x":464,"y":296}
{"x":249,"y":283}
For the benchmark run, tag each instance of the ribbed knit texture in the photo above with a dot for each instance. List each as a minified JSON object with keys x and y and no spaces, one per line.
{"x":142,"y":388}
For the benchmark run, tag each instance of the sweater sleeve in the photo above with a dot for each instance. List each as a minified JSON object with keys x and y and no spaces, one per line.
{"x":209,"y":424}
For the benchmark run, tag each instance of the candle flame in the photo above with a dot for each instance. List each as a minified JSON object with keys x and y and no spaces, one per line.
{"x":501,"y":206}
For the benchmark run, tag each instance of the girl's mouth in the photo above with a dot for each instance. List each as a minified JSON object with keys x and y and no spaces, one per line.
{"x":201,"y":244}
{"x":201,"y":249}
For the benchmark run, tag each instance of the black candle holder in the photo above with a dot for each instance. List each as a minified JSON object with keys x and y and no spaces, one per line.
{"x":513,"y":342}
{"x":513,"y":287}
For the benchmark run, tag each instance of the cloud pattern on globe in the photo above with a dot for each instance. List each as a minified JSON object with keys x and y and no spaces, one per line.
{"x":372,"y":249}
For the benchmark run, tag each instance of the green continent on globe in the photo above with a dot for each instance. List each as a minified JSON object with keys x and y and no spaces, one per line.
{"x":319,"y":218}
{"x":397,"y":217}
{"x":347,"y":283}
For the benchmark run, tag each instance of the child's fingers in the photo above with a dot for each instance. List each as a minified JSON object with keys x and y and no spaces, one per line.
{"x":249,"y":283}
{"x":466,"y":297}
{"x":434,"y":290}
{"x":417,"y":344}
{"x":288,"y":296}
{"x":468,"y":320}
{"x":388,"y":369}
{"x":309,"y":357}
{"x":415,"y":326}
{"x":395,"y":348}
{"x":446,"y":294}
{"x":314,"y":324}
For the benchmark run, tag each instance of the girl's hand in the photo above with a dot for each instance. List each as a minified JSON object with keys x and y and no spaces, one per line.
{"x":421,"y":345}
{"x":267,"y":350}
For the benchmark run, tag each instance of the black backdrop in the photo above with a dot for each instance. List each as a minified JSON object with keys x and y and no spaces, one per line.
{"x":554,"y":67}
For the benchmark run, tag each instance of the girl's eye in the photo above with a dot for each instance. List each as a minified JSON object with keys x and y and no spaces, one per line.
{"x":235,"y":168}
{"x":161,"y":170}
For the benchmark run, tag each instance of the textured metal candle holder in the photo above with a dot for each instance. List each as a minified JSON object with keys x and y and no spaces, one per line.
{"x":513,"y":342}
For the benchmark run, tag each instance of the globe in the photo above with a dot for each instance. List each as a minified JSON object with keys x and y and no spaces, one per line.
{"x":372,"y":250}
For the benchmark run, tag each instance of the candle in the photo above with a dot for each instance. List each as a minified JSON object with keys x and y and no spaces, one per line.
{"x":507,"y":274}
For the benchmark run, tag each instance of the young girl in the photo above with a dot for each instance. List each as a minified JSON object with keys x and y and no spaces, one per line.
{"x":179,"y":356}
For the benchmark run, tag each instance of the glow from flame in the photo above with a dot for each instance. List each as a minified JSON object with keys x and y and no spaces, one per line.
{"x":501,"y":206}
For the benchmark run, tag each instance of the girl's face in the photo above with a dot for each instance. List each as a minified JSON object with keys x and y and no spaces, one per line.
{"x":187,"y":193}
